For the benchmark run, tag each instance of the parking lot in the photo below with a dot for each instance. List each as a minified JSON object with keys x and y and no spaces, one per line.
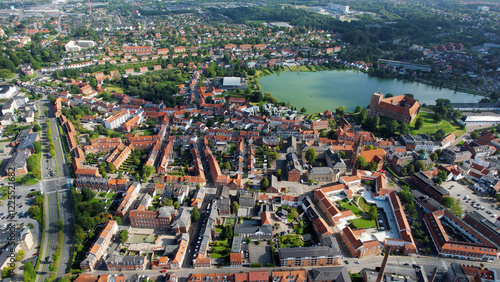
{"x":22,"y":204}
{"x":260,"y":253}
{"x":472,"y":201}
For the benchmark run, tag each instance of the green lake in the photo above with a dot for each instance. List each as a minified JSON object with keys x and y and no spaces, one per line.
{"x":328,"y":90}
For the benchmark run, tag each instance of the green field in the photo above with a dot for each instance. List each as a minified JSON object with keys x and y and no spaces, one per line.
{"x":291,"y":240}
{"x":362,"y":203}
{"x":430,"y":126}
{"x":112,"y":89}
{"x":352,"y":207}
{"x":134,"y":239}
{"x":229,"y":221}
{"x":303,"y":68}
{"x":294,"y":68}
{"x":363,"y":223}
{"x":256,"y":21}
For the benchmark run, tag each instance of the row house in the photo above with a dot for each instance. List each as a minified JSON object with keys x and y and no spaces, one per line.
{"x":309,"y":256}
{"x":474,"y":247}
{"x":98,"y":249}
{"x":120,"y":263}
{"x":117,"y":120}
{"x":120,"y":159}
{"x":166,"y":157}
{"x":406,"y":245}
{"x":129,"y":198}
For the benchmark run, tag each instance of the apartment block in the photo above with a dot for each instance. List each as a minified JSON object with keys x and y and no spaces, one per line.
{"x":99,"y":247}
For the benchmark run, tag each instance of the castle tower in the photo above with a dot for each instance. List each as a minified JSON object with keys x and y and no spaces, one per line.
{"x":375,"y":101}
{"x":376,"y":98}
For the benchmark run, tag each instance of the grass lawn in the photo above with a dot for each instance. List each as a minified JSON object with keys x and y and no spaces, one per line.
{"x":256,"y":21}
{"x":363,"y":223}
{"x":362,"y":203}
{"x":110,"y":195}
{"x":28,"y":181}
{"x":218,"y":249}
{"x":353,"y":208}
{"x":430,"y":126}
{"x":218,"y":230}
{"x":294,"y":68}
{"x":291,"y":240}
{"x":94,"y":200}
{"x":114,"y":89}
{"x":216,"y":255}
{"x":102,"y":194}
{"x":303,"y":68}
{"x":229,"y":221}
{"x":4,"y":190}
{"x":141,"y":239}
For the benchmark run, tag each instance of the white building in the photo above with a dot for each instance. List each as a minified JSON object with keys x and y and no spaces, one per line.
{"x":12,"y":104}
{"x":86,"y":43}
{"x":338,"y":8}
{"x":6,"y":91}
{"x":117,"y":120}
{"x":73,"y":46}
{"x":480,"y":120}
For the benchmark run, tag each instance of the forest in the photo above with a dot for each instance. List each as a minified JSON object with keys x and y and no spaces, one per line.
{"x":420,"y":25}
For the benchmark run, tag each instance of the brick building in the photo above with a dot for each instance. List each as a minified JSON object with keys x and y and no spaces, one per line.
{"x":402,"y":108}
{"x":309,"y":256}
{"x":423,"y":182}
{"x":473,"y":246}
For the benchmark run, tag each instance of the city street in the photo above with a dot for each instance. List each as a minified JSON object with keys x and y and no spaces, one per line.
{"x":55,"y":187}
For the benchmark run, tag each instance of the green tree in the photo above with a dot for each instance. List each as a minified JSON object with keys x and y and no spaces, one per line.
{"x":5,"y":73}
{"x":264,"y":183}
{"x":358,"y":109}
{"x":340,"y":110}
{"x":303,"y":110}
{"x":342,"y":154}
{"x":37,"y":147}
{"x":123,"y":236}
{"x":60,"y":225}
{"x":36,"y":127}
{"x":278,"y":173}
{"x":361,"y":162}
{"x":20,"y":255}
{"x":311,"y":155}
{"x":110,"y":168}
{"x":226,"y":165}
{"x":456,"y":209}
{"x":448,"y":201}
{"x":419,"y":123}
{"x":404,"y":129}
{"x":195,"y":214}
{"x":147,"y":170}
{"x":272,"y":156}
{"x":392,"y":127}
{"x":7,"y":271}
{"x":434,"y":156}
{"x":29,"y":273}
{"x":474,"y":135}
{"x":235,"y":207}
{"x":419,"y":165}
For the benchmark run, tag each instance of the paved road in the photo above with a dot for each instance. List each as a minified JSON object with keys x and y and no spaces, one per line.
{"x":56,"y":190}
{"x":429,"y":264}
